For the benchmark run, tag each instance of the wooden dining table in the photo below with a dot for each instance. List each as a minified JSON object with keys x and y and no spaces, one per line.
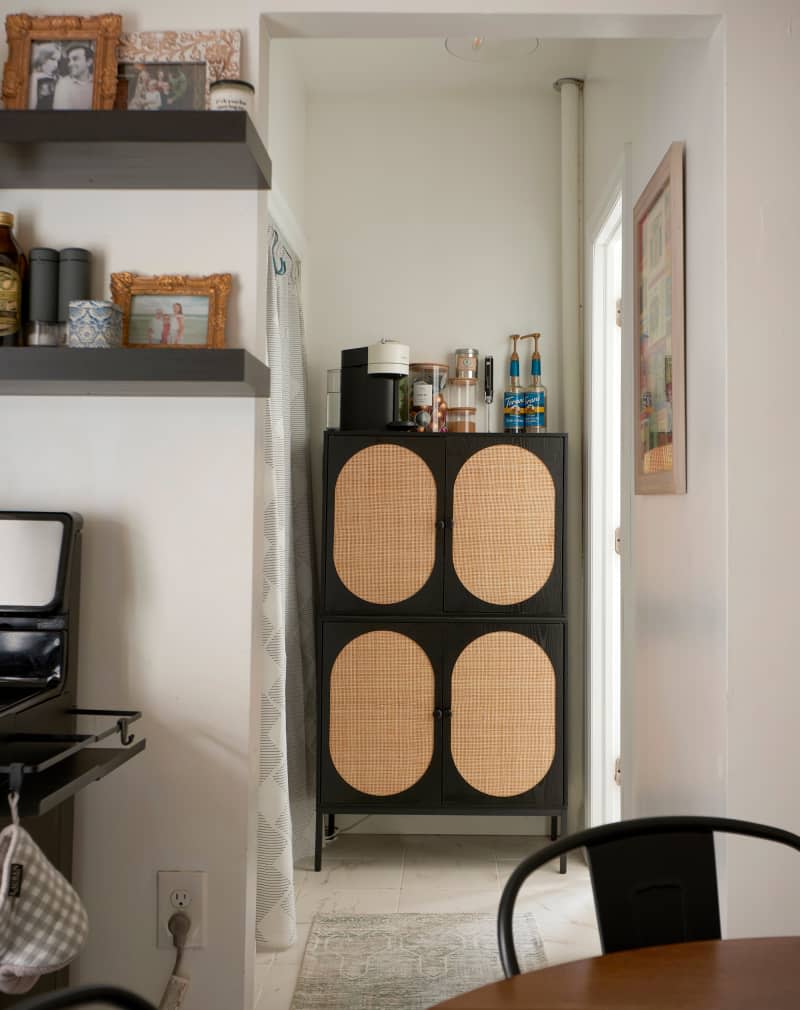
{"x":758,"y":974}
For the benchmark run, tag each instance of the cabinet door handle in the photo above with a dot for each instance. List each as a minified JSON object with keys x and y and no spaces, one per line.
{"x":440,"y":524}
{"x":437,"y":713}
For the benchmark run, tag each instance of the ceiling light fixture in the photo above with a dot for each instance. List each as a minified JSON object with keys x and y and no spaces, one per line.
{"x":478,"y":49}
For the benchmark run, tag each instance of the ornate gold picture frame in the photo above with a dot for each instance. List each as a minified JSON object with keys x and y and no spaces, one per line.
{"x":659,"y":339}
{"x":41,"y":71}
{"x":172,"y":310}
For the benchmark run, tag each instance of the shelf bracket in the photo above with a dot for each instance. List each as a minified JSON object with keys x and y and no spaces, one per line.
{"x":16,"y":773}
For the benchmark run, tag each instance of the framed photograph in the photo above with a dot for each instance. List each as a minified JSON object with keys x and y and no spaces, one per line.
{"x":163,"y":71}
{"x":172,"y":310}
{"x":659,"y":340}
{"x":62,"y":63}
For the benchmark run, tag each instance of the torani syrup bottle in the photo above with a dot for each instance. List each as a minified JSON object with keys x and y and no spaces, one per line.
{"x":12,"y":275}
{"x":536,"y":393}
{"x":514,"y":396}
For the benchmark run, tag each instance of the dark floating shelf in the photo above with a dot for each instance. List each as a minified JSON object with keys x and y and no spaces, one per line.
{"x":45,"y":791}
{"x":131,"y":150}
{"x":131,"y":371}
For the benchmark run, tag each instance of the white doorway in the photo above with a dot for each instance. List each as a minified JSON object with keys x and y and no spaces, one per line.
{"x":604,"y":516}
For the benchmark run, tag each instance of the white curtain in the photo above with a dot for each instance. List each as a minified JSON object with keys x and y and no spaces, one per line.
{"x":287,"y":789}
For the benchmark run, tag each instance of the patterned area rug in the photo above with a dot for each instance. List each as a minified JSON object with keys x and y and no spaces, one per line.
{"x":405,"y":961}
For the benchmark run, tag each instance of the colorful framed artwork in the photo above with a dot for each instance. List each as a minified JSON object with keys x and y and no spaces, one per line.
{"x":172,"y":310}
{"x":659,"y":338}
{"x":165,"y":71}
{"x":64,"y":63}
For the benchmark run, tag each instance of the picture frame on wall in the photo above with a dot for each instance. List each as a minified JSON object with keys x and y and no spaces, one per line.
{"x":173,"y":71}
{"x":659,"y":331}
{"x":64,"y":63}
{"x":172,"y":310}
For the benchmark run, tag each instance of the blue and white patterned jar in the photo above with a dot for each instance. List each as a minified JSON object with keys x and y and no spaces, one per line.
{"x":94,"y":324}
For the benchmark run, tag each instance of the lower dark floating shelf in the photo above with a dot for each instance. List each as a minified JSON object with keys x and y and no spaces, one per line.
{"x":131,"y":371}
{"x":46,"y":790}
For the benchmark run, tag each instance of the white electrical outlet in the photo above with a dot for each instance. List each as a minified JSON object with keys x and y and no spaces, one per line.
{"x":182,"y":891}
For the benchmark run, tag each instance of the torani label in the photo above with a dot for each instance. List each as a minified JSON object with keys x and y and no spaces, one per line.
{"x":534,"y":410}
{"x":514,"y":410}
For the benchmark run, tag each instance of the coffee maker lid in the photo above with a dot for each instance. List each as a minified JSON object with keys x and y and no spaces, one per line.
{"x":36,"y":548}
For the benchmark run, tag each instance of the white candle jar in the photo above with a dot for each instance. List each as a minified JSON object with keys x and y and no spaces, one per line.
{"x":232,"y":96}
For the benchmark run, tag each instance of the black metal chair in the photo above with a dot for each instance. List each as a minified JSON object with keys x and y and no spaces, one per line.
{"x":654,"y":880}
{"x":84,"y":995}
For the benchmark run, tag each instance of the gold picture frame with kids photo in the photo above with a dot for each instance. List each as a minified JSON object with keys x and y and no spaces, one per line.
{"x":172,"y":310}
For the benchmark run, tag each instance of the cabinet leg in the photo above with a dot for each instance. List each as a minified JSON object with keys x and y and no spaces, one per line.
{"x":330,"y":826}
{"x":562,"y":864}
{"x":553,"y":828}
{"x":318,"y":843}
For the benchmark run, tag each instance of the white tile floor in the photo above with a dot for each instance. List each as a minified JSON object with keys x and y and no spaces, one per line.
{"x":432,"y":873}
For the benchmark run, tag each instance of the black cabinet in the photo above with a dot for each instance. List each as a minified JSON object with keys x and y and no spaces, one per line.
{"x":442,"y":668}
{"x":462,"y":717}
{"x":444,"y":524}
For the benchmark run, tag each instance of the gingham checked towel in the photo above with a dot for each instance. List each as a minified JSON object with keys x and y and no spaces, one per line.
{"x":43,"y":924}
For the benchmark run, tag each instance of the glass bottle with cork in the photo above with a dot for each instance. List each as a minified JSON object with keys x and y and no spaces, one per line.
{"x":536,"y":393}
{"x":514,"y":396}
{"x":12,"y":276}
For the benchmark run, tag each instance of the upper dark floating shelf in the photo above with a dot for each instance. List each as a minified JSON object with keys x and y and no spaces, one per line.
{"x":131,"y":150}
{"x":131,"y":371}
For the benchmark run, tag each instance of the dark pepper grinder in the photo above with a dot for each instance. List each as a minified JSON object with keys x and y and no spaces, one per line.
{"x":43,"y":328}
{"x":73,"y":282}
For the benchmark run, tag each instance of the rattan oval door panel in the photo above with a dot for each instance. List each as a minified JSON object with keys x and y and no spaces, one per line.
{"x":380,"y":722}
{"x":504,"y":525}
{"x":384,"y":524}
{"x":503,"y":714}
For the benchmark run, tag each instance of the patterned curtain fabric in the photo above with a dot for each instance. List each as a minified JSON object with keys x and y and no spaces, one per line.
{"x":287,"y":789}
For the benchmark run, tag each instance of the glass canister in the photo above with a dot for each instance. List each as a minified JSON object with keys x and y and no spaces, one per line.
{"x":428,"y":382}
{"x":466,"y":363}
{"x":461,"y":419}
{"x":461,"y":392}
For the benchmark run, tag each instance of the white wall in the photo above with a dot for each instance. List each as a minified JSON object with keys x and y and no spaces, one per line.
{"x":762,"y":150}
{"x":435,"y":220}
{"x":651,"y":94}
{"x":286,"y":142}
{"x":169,"y":490}
{"x":166,"y":491}
{"x":715,"y":689}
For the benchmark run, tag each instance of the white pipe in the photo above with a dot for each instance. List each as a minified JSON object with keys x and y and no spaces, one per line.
{"x":571,"y":414}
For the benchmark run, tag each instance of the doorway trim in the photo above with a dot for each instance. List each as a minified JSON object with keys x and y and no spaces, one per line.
{"x":603,"y":576}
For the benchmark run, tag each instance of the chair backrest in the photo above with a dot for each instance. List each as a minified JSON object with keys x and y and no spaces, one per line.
{"x":654,"y":880}
{"x":83,"y":995}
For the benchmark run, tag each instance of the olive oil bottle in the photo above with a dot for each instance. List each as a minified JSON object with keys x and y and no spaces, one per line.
{"x":12,"y":276}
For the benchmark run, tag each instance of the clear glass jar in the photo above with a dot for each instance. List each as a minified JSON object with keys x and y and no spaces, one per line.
{"x":461,"y":419}
{"x":428,"y":383}
{"x":462,"y":392}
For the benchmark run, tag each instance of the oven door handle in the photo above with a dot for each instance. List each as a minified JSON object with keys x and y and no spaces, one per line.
{"x":9,"y":680}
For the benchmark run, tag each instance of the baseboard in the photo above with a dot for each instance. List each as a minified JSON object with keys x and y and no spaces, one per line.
{"x":433,"y":824}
